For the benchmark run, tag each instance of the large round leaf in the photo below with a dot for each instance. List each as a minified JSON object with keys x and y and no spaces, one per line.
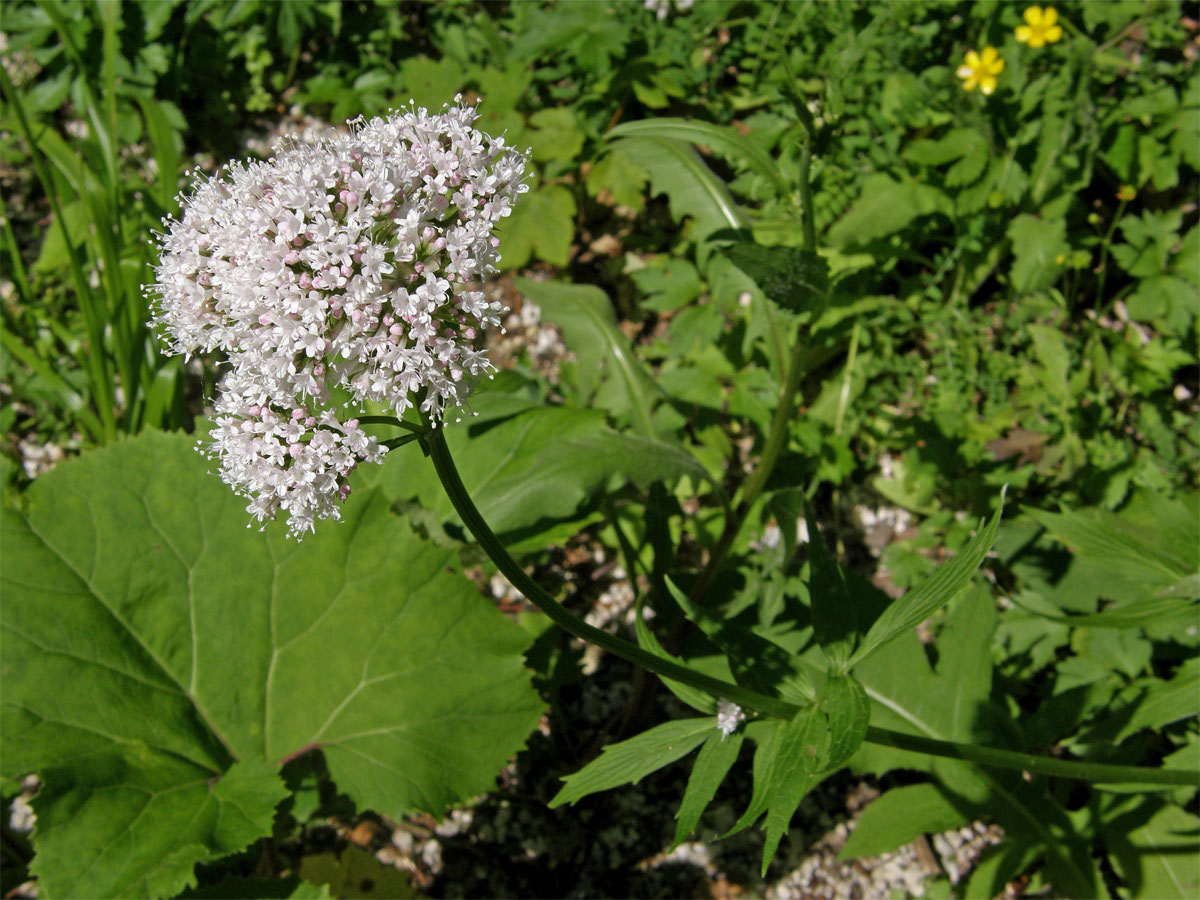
{"x":161,"y":660}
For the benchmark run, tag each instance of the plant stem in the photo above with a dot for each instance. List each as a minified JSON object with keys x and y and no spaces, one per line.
{"x":1098,"y":773}
{"x":435,"y":444}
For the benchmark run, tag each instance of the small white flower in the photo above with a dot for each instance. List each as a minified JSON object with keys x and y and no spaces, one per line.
{"x":336,"y":268}
{"x":729,"y":717}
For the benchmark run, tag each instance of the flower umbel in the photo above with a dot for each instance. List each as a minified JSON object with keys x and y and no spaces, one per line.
{"x":334,"y":274}
{"x":1041,"y":27}
{"x":979,"y":70}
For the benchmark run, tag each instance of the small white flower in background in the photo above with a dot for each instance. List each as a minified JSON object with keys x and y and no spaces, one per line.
{"x":729,"y":716}
{"x":662,"y":7}
{"x":332,"y":275}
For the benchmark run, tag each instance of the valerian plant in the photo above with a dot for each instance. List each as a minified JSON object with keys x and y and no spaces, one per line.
{"x":183,"y":683}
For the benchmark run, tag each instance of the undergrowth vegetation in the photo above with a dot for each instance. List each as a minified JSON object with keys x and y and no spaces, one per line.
{"x":850,"y":301}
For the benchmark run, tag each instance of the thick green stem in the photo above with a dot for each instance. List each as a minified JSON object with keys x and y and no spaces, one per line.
{"x":435,"y":443}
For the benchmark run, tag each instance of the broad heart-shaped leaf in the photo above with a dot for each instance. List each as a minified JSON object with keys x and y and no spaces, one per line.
{"x":901,"y":815}
{"x":798,"y":280}
{"x":713,"y":763}
{"x":952,"y":704}
{"x":160,"y":657}
{"x":585,"y":315}
{"x":936,"y":591}
{"x":721,"y":138}
{"x":630,"y":761}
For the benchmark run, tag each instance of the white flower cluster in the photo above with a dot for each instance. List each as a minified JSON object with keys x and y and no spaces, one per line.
{"x":337,"y":273}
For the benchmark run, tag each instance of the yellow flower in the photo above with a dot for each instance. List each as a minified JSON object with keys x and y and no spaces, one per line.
{"x":1041,"y":27}
{"x":979,"y":70}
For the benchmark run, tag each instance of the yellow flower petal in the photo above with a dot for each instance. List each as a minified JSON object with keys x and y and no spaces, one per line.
{"x":1033,"y":15}
{"x":1049,"y":16}
{"x":973,"y":59}
{"x":1024,"y":33}
{"x":1053,"y":33}
{"x":987,"y":84}
{"x":989,"y":56}
{"x":997,"y":67}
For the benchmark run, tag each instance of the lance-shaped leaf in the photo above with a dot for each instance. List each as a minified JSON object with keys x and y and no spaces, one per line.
{"x":693,"y":697}
{"x":162,"y":659}
{"x":800,"y":753}
{"x":835,"y":621}
{"x":936,"y":591}
{"x":630,"y":761}
{"x":713,"y":763}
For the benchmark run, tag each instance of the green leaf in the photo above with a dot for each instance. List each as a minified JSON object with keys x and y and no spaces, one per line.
{"x":618,"y":180}
{"x":800,"y":753}
{"x":1151,"y":703}
{"x":884,"y":207}
{"x":798,"y":280}
{"x":756,"y":662}
{"x":531,"y":472}
{"x":355,"y":874}
{"x":844,"y":703}
{"x":555,"y":134}
{"x":542,"y":224}
{"x":723,"y":139}
{"x":1153,"y":544}
{"x":898,"y":817}
{"x":765,"y":734}
{"x":952,"y":704}
{"x":667,"y":282}
{"x":1037,"y":244}
{"x":585,"y":314}
{"x":692,"y":189}
{"x":630,"y":761}
{"x":165,"y":659}
{"x":693,"y":697}
{"x":835,"y":620}
{"x":1155,"y":851}
{"x":134,"y":821}
{"x":713,"y":763}
{"x":936,"y":591}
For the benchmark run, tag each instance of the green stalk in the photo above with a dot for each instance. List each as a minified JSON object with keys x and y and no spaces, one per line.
{"x":434,"y":443}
